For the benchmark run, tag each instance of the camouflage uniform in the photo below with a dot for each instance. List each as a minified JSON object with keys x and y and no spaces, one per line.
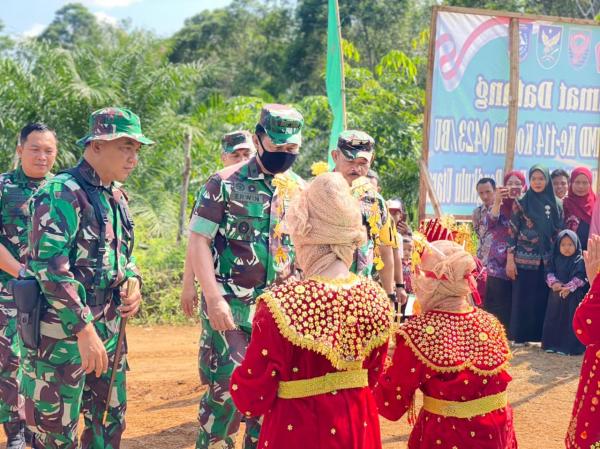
{"x":16,"y":190}
{"x":64,"y":243}
{"x":237,"y":140}
{"x":241,"y":209}
{"x":376,"y":217}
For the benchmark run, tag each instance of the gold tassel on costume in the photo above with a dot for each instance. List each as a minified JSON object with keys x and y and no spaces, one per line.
{"x":412,"y":412}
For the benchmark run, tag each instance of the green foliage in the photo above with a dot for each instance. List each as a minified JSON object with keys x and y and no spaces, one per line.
{"x":161,"y":263}
{"x":212,"y":77}
{"x":73,"y":24}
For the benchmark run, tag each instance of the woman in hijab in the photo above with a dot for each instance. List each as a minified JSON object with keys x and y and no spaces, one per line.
{"x":579,"y":205}
{"x":568,"y":285}
{"x":535,"y":221}
{"x":318,"y":345}
{"x":498,"y":294}
{"x":456,"y":354}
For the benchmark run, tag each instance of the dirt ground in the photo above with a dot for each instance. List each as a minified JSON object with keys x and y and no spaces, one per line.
{"x":164,"y":389}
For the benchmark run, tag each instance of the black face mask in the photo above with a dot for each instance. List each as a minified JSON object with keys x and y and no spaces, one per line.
{"x":276,"y":161}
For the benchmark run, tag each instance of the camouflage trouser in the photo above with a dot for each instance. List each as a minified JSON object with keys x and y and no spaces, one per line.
{"x":56,"y":391}
{"x":220,"y":354}
{"x":10,"y":371}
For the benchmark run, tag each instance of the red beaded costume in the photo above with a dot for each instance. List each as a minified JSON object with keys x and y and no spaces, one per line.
{"x":457,"y":355}
{"x":584,"y":430}
{"x":317,"y":347}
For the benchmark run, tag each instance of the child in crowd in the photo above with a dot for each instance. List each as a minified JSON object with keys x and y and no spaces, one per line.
{"x":568,"y":285}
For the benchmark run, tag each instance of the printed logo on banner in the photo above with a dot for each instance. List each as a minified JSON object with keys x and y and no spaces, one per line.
{"x":525,"y":30}
{"x":456,"y":45}
{"x":598,"y":57}
{"x":579,"y":47}
{"x":549,"y":45}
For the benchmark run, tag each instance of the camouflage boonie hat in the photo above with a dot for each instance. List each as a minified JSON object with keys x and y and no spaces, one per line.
{"x":112,"y":123}
{"x":237,"y":139}
{"x":354,"y":144}
{"x":282,"y":123}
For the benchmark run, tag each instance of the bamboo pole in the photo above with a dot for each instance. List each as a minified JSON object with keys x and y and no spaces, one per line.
{"x":513,"y":101}
{"x":427,"y":114}
{"x":187,"y":167}
{"x":515,"y":15}
{"x":437,"y":209}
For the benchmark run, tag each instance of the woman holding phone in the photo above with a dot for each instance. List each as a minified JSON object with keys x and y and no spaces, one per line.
{"x":536,"y":219}
{"x":498,"y":293}
{"x":579,"y":204}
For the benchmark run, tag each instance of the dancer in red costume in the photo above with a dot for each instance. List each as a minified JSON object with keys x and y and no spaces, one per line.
{"x":584,"y":430}
{"x":457,"y":355}
{"x":318,"y":345}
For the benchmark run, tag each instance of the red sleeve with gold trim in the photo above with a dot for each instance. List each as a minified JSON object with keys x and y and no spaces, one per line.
{"x":397,"y":385}
{"x":255,"y":382}
{"x":586,"y":321}
{"x":375,"y":363}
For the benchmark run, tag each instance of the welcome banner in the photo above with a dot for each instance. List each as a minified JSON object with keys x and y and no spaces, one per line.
{"x":558,"y":119}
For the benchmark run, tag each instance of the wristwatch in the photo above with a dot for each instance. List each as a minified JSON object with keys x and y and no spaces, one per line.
{"x":22,"y":274}
{"x":402,"y":285}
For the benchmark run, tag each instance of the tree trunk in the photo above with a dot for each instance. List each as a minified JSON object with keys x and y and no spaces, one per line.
{"x":187,"y":166}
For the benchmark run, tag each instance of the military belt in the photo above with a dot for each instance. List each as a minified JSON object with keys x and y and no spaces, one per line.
{"x":99,"y":297}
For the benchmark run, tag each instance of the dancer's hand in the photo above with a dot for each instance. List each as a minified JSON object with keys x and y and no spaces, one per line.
{"x":591,"y":257}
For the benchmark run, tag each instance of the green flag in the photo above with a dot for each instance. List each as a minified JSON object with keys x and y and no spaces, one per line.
{"x":334,"y":78}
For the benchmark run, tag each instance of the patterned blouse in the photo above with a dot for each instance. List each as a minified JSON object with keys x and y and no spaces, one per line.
{"x":524,"y":241}
{"x":497,"y":227}
{"x":485,"y":238}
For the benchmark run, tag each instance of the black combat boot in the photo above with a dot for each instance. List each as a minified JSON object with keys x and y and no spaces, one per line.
{"x":15,"y":434}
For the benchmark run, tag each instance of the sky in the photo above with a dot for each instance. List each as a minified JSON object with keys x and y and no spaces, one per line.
{"x":30,"y":17}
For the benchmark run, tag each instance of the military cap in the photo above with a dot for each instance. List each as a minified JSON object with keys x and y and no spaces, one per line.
{"x":354,"y":144}
{"x":282,"y":123}
{"x":237,"y":139}
{"x":112,"y":123}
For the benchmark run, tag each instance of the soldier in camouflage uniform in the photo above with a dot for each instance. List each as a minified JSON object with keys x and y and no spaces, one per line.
{"x":37,"y":152}
{"x":353,"y":157}
{"x":239,"y":246}
{"x":237,"y":147}
{"x":81,"y":275}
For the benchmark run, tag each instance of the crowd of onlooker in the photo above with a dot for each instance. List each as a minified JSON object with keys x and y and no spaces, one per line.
{"x":532,"y":232}
{"x":531,"y":236}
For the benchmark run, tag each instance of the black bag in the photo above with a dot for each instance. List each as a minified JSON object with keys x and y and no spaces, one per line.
{"x":30,"y":304}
